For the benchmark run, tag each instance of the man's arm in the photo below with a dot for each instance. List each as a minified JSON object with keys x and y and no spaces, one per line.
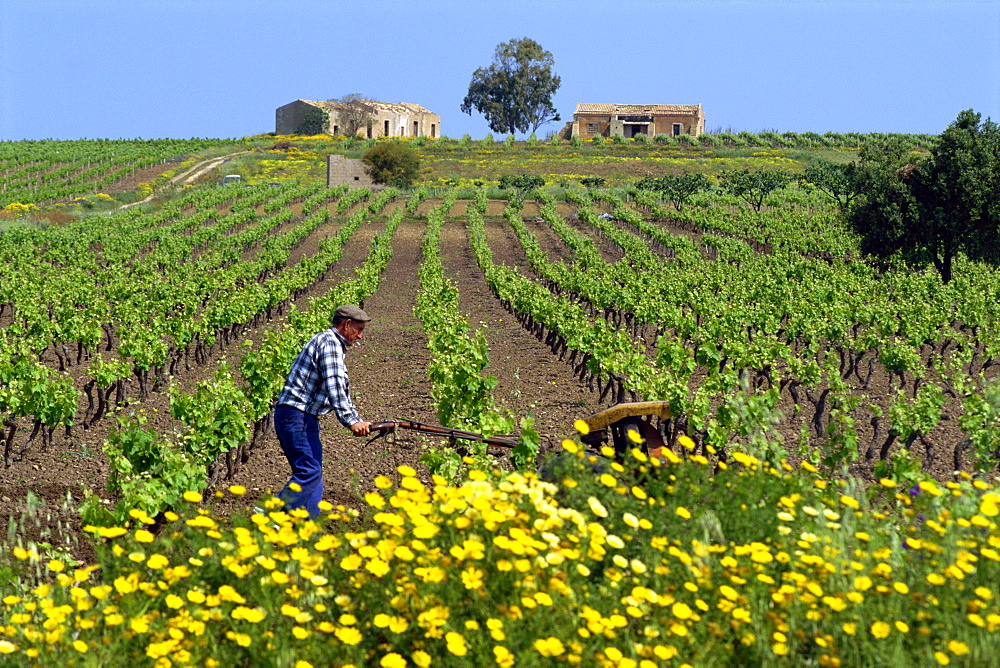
{"x":338,"y":387}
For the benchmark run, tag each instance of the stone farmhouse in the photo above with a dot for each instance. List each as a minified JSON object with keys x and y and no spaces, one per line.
{"x":391,"y":120}
{"x":629,"y":120}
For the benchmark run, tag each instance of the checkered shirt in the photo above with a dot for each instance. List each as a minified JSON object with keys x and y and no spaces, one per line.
{"x":318,"y":383}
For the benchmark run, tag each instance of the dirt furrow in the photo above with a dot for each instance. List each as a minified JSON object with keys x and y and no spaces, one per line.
{"x":531,"y":379}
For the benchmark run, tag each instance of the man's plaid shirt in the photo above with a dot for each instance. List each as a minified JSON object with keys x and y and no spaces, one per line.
{"x":318,"y":383}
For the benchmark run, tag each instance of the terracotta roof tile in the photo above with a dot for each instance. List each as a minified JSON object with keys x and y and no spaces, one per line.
{"x":399,"y":107}
{"x":584,"y":108}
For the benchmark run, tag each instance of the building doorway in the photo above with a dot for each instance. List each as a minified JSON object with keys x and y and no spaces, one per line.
{"x":633,"y":129}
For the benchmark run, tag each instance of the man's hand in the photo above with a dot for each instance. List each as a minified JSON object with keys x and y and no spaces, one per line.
{"x":361,"y":428}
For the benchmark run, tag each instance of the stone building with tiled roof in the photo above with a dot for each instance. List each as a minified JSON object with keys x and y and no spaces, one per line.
{"x":629,"y":120}
{"x":401,"y":119}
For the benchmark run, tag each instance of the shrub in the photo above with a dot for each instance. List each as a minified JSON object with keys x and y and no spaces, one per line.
{"x":734,"y":139}
{"x":392,"y":163}
{"x":642,"y":138}
{"x":593,"y":181}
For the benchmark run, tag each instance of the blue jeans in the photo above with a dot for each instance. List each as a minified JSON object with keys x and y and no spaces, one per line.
{"x":298,"y":433}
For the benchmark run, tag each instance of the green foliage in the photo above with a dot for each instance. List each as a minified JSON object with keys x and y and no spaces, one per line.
{"x":840,"y":182}
{"x":314,"y":122}
{"x":520,"y":185}
{"x":752,"y":186}
{"x":709,"y":140}
{"x":928,"y":211}
{"x":216,"y":415}
{"x":515,"y":92}
{"x":593,"y":181}
{"x":981,"y":421}
{"x":677,"y":188}
{"x":147,"y":471}
{"x":392,"y":163}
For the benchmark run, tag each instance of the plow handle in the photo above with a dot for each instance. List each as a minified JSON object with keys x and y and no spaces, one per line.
{"x":437,"y":430}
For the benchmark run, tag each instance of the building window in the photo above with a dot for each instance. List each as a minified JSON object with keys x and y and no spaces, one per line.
{"x":385,"y":131}
{"x":591,"y":127}
{"x":677,"y":129}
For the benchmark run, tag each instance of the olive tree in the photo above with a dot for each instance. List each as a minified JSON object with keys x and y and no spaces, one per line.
{"x":677,"y":188}
{"x":840,"y":182}
{"x":515,"y":92}
{"x":752,"y":186}
{"x":928,"y":210}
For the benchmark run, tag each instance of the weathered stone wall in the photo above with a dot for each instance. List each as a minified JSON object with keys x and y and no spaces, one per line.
{"x":288,"y":118}
{"x":341,"y":170}
{"x":390,"y":120}
{"x":589,"y":123}
{"x":689,"y":125}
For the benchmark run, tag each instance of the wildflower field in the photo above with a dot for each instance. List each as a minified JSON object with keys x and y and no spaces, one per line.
{"x":648,"y":563}
{"x":827,"y":494}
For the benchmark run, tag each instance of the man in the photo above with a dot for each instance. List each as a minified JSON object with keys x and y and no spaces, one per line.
{"x":316,"y":385}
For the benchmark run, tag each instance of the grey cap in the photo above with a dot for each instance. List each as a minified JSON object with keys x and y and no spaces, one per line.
{"x":351,"y":311}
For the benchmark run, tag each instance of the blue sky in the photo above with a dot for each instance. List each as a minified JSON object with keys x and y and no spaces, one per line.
{"x":219,"y":68}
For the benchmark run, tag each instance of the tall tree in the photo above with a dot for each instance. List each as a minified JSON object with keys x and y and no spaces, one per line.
{"x":515,"y":92}
{"x":354,"y":112}
{"x":929,"y":211}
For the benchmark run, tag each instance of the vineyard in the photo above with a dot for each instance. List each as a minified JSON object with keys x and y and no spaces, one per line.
{"x":141,"y":350}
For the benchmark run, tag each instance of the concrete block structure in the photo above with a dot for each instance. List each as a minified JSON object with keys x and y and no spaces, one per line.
{"x":629,"y":120}
{"x":389,"y":120}
{"x":341,"y":170}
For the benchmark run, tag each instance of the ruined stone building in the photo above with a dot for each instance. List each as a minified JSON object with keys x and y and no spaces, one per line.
{"x":629,"y":120}
{"x":389,"y":120}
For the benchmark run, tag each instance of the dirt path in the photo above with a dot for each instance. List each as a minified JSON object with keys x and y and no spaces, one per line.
{"x":189,"y":175}
{"x":531,"y":378}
